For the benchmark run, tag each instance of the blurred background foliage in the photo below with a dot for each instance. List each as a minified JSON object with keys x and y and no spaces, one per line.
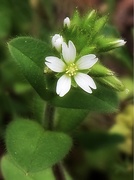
{"x":100,"y":155}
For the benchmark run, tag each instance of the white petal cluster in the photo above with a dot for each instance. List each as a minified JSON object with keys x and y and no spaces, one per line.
{"x":72,"y":69}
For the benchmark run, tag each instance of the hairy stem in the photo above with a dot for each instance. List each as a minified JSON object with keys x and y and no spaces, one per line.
{"x":49,"y":117}
{"x":49,"y":123}
{"x":58,"y":172}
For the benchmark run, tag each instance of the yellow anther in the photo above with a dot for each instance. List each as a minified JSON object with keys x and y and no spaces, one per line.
{"x":71,"y":69}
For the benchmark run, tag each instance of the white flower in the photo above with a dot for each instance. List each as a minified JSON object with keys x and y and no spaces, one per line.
{"x":119,"y":43}
{"x":66,"y":22}
{"x":57,"y":41}
{"x":72,"y":69}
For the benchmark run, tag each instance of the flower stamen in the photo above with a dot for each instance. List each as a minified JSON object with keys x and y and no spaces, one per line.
{"x":71,"y":69}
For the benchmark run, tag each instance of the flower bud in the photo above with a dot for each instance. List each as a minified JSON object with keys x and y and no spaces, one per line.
{"x":100,"y":71}
{"x":118,"y":43}
{"x":66,"y":22}
{"x":111,"y":82}
{"x":57,"y":41}
{"x":107,"y":44}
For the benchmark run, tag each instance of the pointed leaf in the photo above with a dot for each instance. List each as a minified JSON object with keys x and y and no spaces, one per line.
{"x":30,"y":55}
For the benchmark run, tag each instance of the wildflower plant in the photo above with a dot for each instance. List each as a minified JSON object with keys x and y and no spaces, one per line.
{"x":69,"y":76}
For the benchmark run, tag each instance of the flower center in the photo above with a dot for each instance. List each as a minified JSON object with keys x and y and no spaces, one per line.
{"x":71,"y":69}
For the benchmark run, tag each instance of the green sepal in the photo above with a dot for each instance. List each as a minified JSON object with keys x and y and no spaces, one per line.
{"x":112,"y":82}
{"x":106,"y":44}
{"x":75,"y":19}
{"x":99,"y":24}
{"x":98,"y":70}
{"x":91,"y":16}
{"x":89,"y":20}
{"x":87,"y":50}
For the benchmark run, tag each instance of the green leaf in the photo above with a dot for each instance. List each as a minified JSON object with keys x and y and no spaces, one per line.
{"x":69,"y":119}
{"x":101,"y":100}
{"x":95,"y":140}
{"x":34,"y":149}
{"x":10,"y":171}
{"x":29,"y":54}
{"x":31,"y":48}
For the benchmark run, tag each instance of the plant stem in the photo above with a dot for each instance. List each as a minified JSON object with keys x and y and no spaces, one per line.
{"x":49,"y":117}
{"x":49,"y":124}
{"x":58,"y":172}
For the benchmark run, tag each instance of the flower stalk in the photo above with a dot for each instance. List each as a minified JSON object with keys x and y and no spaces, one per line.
{"x":49,"y":117}
{"x":49,"y":122}
{"x":58,"y":172}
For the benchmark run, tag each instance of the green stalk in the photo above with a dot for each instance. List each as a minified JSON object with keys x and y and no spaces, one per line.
{"x":49,"y":124}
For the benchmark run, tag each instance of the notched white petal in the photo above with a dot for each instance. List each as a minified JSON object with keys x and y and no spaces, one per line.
{"x":63,"y":85}
{"x":87,"y":61}
{"x":55,"y":64}
{"x":72,"y":51}
{"x":68,"y":52}
{"x":85,"y":82}
{"x":65,"y":51}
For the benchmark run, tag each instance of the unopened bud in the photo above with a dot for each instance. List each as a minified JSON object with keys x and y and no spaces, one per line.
{"x":100,"y":71}
{"x":112,"y":82}
{"x":66,"y":22}
{"x":109,"y":44}
{"x":57,"y":41}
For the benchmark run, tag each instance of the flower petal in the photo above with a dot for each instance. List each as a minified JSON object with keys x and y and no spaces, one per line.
{"x":63,"y":85}
{"x":55,"y":64}
{"x":87,"y":61}
{"x":68,"y":52}
{"x":85,"y":82}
